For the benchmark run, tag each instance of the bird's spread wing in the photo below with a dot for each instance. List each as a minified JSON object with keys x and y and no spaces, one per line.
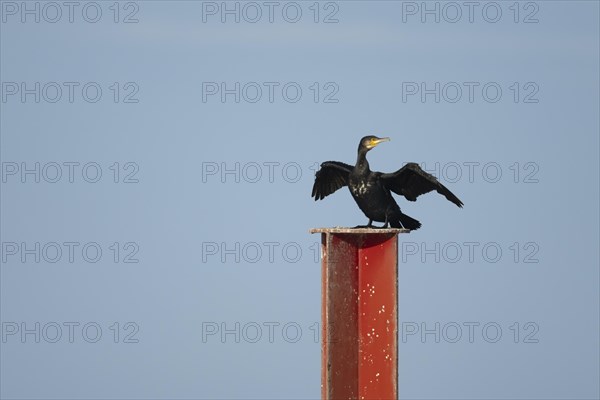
{"x":411,"y":181}
{"x":332,"y":176}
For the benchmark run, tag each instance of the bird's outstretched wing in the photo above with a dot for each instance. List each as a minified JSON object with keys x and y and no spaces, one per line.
{"x":411,"y":181}
{"x":332,"y":176}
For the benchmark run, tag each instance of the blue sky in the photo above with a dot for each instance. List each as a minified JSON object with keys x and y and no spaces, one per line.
{"x":202,"y":209}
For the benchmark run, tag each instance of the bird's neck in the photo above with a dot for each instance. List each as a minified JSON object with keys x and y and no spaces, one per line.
{"x":361,"y":161}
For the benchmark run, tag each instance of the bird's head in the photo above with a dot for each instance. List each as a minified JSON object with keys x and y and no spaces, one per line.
{"x":368,"y":142}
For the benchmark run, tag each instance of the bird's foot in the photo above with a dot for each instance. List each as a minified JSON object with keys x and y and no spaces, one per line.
{"x":369,"y":225}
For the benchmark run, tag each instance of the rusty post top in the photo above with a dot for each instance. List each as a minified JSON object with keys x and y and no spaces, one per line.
{"x":359,"y":231}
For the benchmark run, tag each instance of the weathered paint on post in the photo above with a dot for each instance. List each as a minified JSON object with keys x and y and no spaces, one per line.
{"x":359,"y":313}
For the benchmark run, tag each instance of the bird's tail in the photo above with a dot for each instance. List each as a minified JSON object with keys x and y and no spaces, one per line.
{"x":404,"y":221}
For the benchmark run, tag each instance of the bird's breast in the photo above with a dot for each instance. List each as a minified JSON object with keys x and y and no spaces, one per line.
{"x":360,"y":187}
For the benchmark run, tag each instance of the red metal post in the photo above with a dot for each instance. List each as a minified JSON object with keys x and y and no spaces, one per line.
{"x":359,"y":313}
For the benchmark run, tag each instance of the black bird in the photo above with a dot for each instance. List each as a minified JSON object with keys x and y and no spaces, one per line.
{"x":372,"y":190}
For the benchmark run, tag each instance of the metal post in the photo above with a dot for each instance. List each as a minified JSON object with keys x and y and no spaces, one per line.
{"x":359,"y":312}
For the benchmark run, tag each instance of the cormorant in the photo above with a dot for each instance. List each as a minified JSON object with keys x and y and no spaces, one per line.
{"x":372,"y":190}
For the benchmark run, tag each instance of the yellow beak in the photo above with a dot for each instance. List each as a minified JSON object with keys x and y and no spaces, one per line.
{"x":375,"y":142}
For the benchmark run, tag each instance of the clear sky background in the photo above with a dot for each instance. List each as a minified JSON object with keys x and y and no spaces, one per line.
{"x":524,"y":161}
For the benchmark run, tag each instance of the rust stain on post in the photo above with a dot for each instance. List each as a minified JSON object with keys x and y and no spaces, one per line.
{"x":359,"y":313}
